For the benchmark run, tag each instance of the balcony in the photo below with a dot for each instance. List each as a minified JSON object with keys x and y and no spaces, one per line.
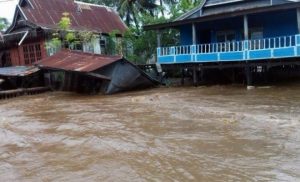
{"x":247,"y":50}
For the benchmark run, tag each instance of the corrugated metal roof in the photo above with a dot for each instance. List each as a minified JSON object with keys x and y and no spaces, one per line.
{"x":47,"y":14}
{"x":18,"y":71}
{"x":77,"y":61}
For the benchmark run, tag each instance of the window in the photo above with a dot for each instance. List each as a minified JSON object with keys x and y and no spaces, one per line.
{"x":38,"y":52}
{"x":103,"y":45}
{"x":26,"y":54}
{"x":32,"y":53}
{"x":225,"y":36}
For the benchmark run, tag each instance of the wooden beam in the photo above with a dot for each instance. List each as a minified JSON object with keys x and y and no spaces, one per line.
{"x":298,"y":19}
{"x":246,"y":28}
{"x":194,"y":34}
{"x":158,"y":38}
{"x":177,"y":24}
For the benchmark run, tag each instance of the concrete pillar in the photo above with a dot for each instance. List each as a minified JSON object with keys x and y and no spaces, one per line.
{"x":194,"y":33}
{"x":246,"y":27}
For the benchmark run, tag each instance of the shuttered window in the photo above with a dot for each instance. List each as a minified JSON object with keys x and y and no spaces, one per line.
{"x":32,"y":53}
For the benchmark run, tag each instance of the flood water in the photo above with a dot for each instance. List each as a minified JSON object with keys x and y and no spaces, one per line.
{"x":218,"y":133}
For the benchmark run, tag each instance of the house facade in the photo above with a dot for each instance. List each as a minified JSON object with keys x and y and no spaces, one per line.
{"x":25,"y":42}
{"x":228,"y":31}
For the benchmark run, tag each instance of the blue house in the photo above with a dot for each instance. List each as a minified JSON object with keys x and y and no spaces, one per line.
{"x":234,"y":31}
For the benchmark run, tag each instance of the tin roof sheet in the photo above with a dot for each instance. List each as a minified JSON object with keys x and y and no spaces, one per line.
{"x":18,"y":71}
{"x":84,"y":16}
{"x":77,"y":61}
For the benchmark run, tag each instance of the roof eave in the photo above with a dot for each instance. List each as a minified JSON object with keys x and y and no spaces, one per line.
{"x":175,"y":24}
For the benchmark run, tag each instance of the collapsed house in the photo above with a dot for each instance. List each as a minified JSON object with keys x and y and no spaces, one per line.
{"x":93,"y":73}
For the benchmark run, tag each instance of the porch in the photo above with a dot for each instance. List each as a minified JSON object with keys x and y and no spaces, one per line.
{"x":248,"y":37}
{"x":246,"y":50}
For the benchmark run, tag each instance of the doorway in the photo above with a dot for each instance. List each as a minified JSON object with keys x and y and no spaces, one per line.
{"x":204,"y":37}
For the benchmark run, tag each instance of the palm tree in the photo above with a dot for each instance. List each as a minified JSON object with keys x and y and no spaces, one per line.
{"x":130,"y":10}
{"x":163,"y":3}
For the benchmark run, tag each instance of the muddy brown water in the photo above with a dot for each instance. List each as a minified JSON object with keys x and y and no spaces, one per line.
{"x":219,"y":133}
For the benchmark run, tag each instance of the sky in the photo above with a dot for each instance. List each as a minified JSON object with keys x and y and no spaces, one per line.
{"x":7,"y":9}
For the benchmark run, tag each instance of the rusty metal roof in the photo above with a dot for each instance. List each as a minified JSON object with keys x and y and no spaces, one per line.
{"x":77,"y":61}
{"x":84,"y":16}
{"x":18,"y":71}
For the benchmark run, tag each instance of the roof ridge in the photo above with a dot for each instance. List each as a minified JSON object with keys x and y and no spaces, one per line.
{"x":192,"y":11}
{"x":91,"y":4}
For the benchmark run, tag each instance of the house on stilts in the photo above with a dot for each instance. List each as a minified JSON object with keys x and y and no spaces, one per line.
{"x":254,"y":35}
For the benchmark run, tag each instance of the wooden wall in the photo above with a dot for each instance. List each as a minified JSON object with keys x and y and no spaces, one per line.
{"x":17,"y":53}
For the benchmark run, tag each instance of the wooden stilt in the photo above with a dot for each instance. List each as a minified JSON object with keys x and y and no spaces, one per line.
{"x":249,"y":78}
{"x":195,"y":79}
{"x":182,"y":76}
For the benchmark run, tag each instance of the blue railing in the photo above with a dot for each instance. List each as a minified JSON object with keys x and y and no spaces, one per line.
{"x":268,"y":48}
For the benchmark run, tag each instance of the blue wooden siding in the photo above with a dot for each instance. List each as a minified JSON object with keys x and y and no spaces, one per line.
{"x":273,"y":25}
{"x":186,"y":35}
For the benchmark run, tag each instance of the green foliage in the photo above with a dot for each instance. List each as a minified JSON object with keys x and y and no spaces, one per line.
{"x":3,"y":23}
{"x":65,"y":22}
{"x":112,"y":47}
{"x":86,"y":36}
{"x":64,"y":26}
{"x":64,"y":37}
{"x":1,"y":26}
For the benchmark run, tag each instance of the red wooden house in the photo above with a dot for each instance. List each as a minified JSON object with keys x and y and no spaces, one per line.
{"x":24,"y":43}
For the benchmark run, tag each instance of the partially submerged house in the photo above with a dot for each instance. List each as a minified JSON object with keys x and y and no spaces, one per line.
{"x":20,"y":77}
{"x":252,"y":34}
{"x":93,"y":73}
{"x":35,"y":21}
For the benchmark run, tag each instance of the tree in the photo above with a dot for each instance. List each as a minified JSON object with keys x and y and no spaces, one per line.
{"x":3,"y":23}
{"x":130,"y":10}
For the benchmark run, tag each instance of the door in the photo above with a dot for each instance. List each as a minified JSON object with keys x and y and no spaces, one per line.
{"x":256,"y":34}
{"x":226,"y":40}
